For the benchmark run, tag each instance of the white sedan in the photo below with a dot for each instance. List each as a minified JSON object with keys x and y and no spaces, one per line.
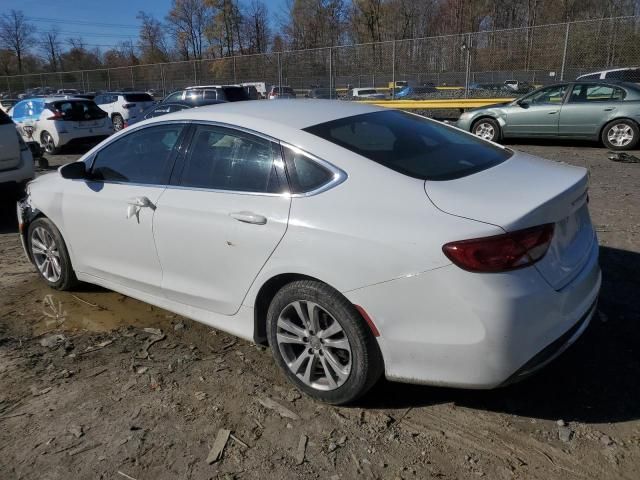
{"x":356,"y":241}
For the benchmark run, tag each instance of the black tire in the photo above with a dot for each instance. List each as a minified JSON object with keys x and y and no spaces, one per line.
{"x":118,"y":122}
{"x":366,"y":360}
{"x":48,"y":143}
{"x":67,"y":278}
{"x":608,"y":135}
{"x":487,"y":128}
{"x":43,"y":163}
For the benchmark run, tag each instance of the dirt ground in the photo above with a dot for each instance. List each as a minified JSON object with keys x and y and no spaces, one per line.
{"x":87,"y":393}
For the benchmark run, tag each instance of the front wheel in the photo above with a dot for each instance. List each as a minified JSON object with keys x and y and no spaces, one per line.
{"x":620,"y":135}
{"x":321,"y":343}
{"x":48,"y":143}
{"x":49,"y":254}
{"x":487,"y":129}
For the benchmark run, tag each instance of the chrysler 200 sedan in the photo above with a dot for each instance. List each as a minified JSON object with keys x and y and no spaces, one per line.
{"x":356,"y":241}
{"x":588,"y":110}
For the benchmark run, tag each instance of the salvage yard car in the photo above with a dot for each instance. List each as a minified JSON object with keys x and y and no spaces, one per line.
{"x":355,"y":240}
{"x":55,"y":122}
{"x":590,"y":110}
{"x":124,"y":107}
{"x":16,"y":161}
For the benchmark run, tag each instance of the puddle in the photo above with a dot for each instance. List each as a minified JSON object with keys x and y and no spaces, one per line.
{"x":92,"y":309}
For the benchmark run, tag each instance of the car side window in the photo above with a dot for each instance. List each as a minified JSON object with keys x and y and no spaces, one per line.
{"x":547,"y":96}
{"x":210,"y":95}
{"x":174,"y":96}
{"x":304,"y":173}
{"x":143,"y":156}
{"x":583,"y":93}
{"x":225,"y":159}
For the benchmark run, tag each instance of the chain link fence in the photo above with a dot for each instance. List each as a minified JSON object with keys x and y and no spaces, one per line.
{"x":454,"y":63}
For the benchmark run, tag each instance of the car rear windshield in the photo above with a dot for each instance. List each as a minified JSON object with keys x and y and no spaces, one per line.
{"x":78,"y":110}
{"x":412,"y":145}
{"x":138,"y":97}
{"x":235,"y":94}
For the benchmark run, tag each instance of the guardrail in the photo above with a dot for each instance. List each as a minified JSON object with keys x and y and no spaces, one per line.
{"x":460,"y":103}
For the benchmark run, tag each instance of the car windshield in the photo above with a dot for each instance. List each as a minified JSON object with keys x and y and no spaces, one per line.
{"x":234,"y":94}
{"x":138,"y":97}
{"x":78,"y":110}
{"x":412,"y":145}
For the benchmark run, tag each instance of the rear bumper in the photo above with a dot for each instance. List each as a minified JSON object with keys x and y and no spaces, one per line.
{"x":454,"y":328}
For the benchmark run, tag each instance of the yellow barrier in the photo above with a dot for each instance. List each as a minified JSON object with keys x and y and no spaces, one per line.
{"x":437,"y":104}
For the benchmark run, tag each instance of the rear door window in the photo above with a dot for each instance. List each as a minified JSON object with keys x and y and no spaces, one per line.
{"x":78,"y":110}
{"x":412,"y":145}
{"x":305,"y":174}
{"x":585,"y":93}
{"x":225,"y":159}
{"x":144,"y":156}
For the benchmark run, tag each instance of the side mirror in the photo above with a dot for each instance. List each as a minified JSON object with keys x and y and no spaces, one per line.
{"x":74,"y":171}
{"x":523,"y":104}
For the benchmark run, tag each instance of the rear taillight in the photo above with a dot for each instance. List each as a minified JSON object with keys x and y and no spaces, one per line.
{"x":56,"y":116}
{"x":128,"y":105}
{"x":501,"y":253}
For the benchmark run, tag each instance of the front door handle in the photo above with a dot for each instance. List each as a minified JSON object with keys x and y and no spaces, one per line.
{"x":609,"y":109}
{"x":555,"y":111}
{"x":249,"y":217}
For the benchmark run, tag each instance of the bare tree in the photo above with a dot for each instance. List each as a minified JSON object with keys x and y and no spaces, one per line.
{"x":187,"y":21}
{"x":257,"y":27}
{"x":152,"y":42}
{"x":16,"y":34}
{"x":51,"y":45}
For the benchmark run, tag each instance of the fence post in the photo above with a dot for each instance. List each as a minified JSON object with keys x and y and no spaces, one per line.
{"x":279,"y":73}
{"x":195,"y":73}
{"x":8,"y":86}
{"x":164,"y":86}
{"x":564,"y":52}
{"x":235,"y":78}
{"x":467,"y":69}
{"x":131,"y":74}
{"x":330,"y":71}
{"x":393,"y":71}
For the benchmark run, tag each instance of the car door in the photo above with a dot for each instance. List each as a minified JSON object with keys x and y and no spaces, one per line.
{"x":222,"y":217}
{"x":537,"y":114}
{"x":588,"y":108}
{"x":108,"y":219}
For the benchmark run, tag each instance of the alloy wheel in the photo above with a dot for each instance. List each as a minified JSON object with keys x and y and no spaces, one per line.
{"x":485,"y":131}
{"x":314,"y":345}
{"x":620,"y":135}
{"x":49,"y":144}
{"x":118,"y":123}
{"x":46,"y":254}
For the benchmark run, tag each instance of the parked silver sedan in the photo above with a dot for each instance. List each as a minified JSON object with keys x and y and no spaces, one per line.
{"x":591,"y":110}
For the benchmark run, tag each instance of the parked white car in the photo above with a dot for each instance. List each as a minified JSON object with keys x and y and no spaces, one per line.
{"x":365,"y":92}
{"x":67,"y":91}
{"x":55,"y":122}
{"x":16,"y":161}
{"x":355,"y":240}
{"x":621,"y":74}
{"x":124,"y":107}
{"x":261,"y":87}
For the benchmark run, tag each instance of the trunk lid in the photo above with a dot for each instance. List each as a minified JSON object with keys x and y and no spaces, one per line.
{"x":522,"y":192}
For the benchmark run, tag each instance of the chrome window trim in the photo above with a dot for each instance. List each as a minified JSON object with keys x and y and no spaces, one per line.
{"x":339,"y":175}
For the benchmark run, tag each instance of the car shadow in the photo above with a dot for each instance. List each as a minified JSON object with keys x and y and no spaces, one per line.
{"x":8,"y":215}
{"x":596,"y":381}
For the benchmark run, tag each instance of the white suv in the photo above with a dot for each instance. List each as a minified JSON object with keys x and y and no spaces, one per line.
{"x":54,"y":122}
{"x":16,"y":161}
{"x":124,"y":107}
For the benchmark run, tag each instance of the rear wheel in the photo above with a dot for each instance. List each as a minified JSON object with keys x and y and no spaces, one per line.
{"x":620,"y":135}
{"x":50,"y":255}
{"x":321,"y":343}
{"x":118,"y":122}
{"x":487,"y":129}
{"x":48,"y":143}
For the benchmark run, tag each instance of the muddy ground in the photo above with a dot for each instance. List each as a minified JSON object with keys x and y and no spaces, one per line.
{"x":87,"y":393}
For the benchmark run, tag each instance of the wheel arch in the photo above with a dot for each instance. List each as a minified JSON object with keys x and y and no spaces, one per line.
{"x":483,"y":117}
{"x":263,"y":299}
{"x":617,"y":119}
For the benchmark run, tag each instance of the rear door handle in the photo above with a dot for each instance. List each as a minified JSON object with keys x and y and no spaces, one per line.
{"x":609,"y":109}
{"x":249,"y":217}
{"x":551,"y":113}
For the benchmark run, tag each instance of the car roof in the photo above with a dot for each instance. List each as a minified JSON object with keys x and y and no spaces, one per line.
{"x":116,"y":92}
{"x":611,"y":70}
{"x":211,"y":86}
{"x":271,"y":117}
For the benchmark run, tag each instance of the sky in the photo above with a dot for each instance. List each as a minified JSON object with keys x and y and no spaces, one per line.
{"x":98,"y":22}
